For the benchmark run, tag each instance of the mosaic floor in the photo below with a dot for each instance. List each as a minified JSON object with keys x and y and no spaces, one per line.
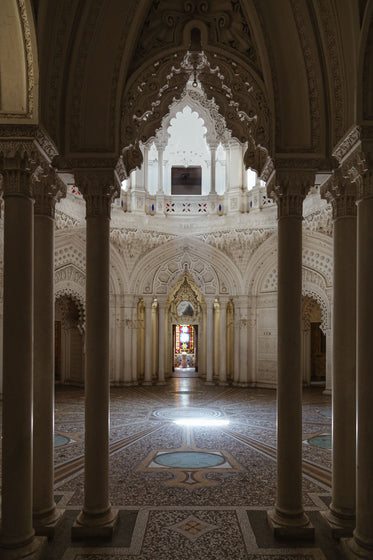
{"x":193,"y":472}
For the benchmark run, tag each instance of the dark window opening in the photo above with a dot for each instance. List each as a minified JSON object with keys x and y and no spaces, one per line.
{"x":186,"y":180}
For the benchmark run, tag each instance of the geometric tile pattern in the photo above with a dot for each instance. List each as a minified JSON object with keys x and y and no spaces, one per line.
{"x":192,"y":528}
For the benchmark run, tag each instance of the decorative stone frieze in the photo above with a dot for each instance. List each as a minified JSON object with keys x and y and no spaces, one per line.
{"x":349,"y":141}
{"x":320,"y":221}
{"x":64,"y":221}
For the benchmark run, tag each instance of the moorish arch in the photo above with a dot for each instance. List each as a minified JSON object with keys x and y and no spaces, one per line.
{"x":69,"y":335}
{"x":161,"y":268}
{"x":186,"y":308}
{"x":235,"y":87}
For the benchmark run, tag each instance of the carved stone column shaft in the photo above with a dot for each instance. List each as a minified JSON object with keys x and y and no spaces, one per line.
{"x":97,"y":518}
{"x":288,"y":518}
{"x":223,"y":342}
{"x":148,"y":300}
{"x":161,"y":342}
{"x":210,"y":341}
{"x":45,"y":514}
{"x":342,"y":195}
{"x":361,"y":546}
{"x":17,"y":533}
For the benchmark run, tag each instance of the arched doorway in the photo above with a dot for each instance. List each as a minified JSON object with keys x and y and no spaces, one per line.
{"x":314,"y":343}
{"x":185,"y":350}
{"x":185,"y":328}
{"x":69,"y":340}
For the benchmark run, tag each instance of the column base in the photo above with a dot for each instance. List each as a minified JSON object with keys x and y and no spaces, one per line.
{"x":147,"y":383}
{"x":223,"y":383}
{"x":243,"y":384}
{"x":290,"y":528}
{"x":161,"y":383}
{"x":327,"y":392}
{"x":353,"y":550}
{"x":90,"y":526}
{"x":339,"y":526}
{"x":210,"y":382}
{"x":46,"y":526}
{"x":34,"y":550}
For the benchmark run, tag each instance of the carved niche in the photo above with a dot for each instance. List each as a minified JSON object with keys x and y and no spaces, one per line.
{"x":185,"y":302}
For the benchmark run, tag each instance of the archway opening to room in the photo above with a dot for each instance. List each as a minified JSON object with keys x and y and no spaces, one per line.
{"x":69,"y":336}
{"x":185,"y":345}
{"x":314,"y":343}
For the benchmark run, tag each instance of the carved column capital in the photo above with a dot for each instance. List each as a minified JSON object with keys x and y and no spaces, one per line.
{"x":16,"y":164}
{"x":48,"y":189}
{"x":289,"y":191}
{"x":340,"y":191}
{"x":98,"y":189}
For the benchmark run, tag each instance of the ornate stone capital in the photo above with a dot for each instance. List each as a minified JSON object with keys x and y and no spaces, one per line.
{"x":98,"y":189}
{"x":289,"y":191}
{"x":16,"y":163}
{"x":340,"y":191}
{"x":48,"y":189}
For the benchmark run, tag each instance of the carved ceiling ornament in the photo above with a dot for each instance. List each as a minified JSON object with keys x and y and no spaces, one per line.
{"x":228,"y":84}
{"x":223,"y":20}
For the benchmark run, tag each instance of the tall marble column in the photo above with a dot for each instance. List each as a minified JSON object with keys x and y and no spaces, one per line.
{"x":223,"y":342}
{"x":209,"y":341}
{"x":135,"y":379}
{"x":342,"y":195}
{"x":288,"y":518}
{"x":47,"y":190}
{"x":148,"y":301}
{"x":97,"y":519}
{"x":213,"y":148}
{"x":127,"y":338}
{"x":17,"y":538}
{"x":243,"y":378}
{"x":237,"y":325}
{"x":161,"y":341}
{"x":160,"y":149}
{"x":361,"y":545}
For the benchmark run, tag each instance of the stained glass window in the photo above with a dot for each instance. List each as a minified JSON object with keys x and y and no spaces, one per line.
{"x":184,"y":339}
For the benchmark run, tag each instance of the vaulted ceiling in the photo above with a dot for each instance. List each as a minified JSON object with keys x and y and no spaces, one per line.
{"x":289,"y":76}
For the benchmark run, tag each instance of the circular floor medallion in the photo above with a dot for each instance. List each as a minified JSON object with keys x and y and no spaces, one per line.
{"x":186,"y":412}
{"x":189,"y":459}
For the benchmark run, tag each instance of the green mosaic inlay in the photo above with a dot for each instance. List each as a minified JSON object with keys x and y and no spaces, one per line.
{"x":189,"y":460}
{"x":324,"y":441}
{"x":59,"y":440}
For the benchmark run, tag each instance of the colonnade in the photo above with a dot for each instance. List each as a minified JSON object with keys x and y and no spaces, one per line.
{"x":28,"y":375}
